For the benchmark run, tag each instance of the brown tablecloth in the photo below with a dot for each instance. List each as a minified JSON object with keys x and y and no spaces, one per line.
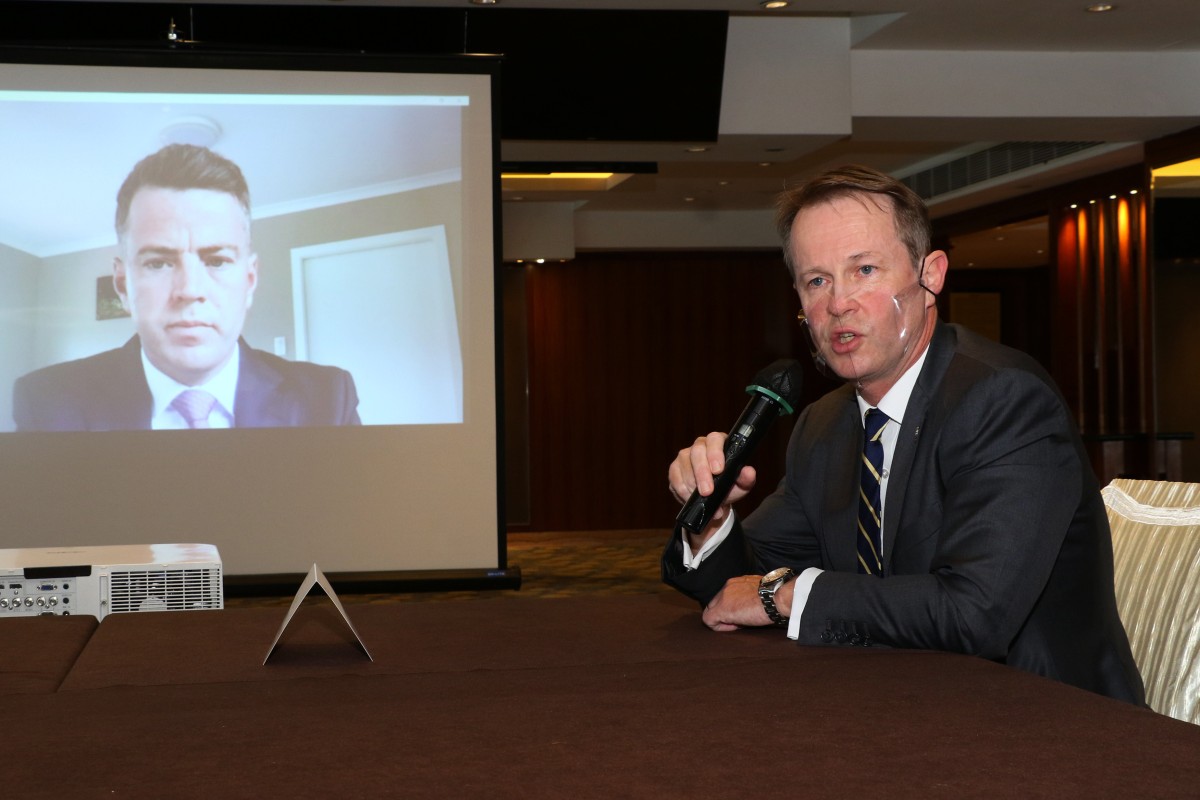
{"x":572,"y":698}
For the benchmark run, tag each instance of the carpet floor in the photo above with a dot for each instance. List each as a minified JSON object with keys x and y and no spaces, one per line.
{"x":552,"y":565}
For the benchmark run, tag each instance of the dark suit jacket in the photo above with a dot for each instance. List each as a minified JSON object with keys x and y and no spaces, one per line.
{"x":108,"y":391}
{"x":995,"y":540}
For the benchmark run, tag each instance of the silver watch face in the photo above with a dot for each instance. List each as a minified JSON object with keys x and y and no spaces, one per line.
{"x":774,"y":575}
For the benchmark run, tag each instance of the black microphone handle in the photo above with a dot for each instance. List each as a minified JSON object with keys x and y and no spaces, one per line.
{"x":760,"y":412}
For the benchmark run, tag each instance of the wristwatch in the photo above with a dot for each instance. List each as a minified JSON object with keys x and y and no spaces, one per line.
{"x":768,"y":585}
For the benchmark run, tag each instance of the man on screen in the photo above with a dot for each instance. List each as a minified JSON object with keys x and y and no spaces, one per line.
{"x":186,"y":271}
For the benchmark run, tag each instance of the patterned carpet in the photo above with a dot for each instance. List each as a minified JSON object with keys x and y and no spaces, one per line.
{"x":552,"y":565}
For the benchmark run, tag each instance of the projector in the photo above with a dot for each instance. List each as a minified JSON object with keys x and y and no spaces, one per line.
{"x":109,"y":580}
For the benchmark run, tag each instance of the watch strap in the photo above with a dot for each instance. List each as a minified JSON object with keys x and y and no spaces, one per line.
{"x":767,"y":590}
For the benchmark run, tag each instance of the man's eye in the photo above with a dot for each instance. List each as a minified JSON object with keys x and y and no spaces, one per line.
{"x":215,"y":262}
{"x":816,"y":283}
{"x":868,"y":269}
{"x":156,"y":264}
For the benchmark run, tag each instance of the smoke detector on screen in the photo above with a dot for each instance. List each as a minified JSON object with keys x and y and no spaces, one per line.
{"x":199,"y":131}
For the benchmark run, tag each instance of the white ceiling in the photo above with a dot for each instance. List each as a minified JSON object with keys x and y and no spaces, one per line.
{"x":1136,"y":25}
{"x":912,"y":83}
{"x":967,"y":74}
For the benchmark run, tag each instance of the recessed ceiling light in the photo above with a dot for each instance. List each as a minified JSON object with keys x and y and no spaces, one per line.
{"x":1099,"y":8}
{"x":771,"y":4}
{"x":484,"y":2}
{"x":697,"y":149}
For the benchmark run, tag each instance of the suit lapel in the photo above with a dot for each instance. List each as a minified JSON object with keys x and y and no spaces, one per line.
{"x":122,"y":401}
{"x":841,"y":475}
{"x":257,"y":399}
{"x":941,"y":350}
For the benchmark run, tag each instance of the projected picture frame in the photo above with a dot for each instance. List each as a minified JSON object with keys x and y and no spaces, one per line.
{"x":108,"y":303}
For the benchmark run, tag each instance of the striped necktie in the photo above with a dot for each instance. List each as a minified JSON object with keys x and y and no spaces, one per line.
{"x":870,"y":544}
{"x":194,"y":405}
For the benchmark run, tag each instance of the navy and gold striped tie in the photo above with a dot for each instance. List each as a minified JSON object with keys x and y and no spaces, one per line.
{"x":870,"y":544}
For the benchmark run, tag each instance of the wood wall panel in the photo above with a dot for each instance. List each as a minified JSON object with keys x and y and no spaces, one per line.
{"x":633,"y":355}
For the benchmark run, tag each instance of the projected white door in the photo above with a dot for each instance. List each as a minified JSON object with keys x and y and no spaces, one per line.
{"x":383,"y":308}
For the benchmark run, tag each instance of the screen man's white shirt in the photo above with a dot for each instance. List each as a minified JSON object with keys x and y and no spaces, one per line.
{"x":165,"y":389}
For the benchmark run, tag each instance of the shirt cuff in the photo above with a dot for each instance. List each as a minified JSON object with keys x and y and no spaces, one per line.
{"x":800,"y":599}
{"x":693,"y":561}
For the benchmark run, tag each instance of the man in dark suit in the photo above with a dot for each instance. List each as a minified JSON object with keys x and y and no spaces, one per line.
{"x":186,"y":271}
{"x":971,"y":522}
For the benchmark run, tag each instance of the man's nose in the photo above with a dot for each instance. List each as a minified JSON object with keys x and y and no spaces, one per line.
{"x":191,"y":279}
{"x":841,"y":299}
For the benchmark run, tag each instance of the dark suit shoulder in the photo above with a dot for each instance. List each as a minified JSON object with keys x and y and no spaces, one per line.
{"x":276,"y":392}
{"x":976,"y":362}
{"x":300,"y":371}
{"x":76,"y":372}
{"x":106,"y":391}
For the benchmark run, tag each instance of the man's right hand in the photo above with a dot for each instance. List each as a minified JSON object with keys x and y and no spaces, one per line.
{"x":694,"y":468}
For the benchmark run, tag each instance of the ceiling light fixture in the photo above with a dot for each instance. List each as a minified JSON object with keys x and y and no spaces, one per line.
{"x":484,"y":2}
{"x":195,"y":130}
{"x":773,"y":4}
{"x":1099,"y":8}
{"x":697,"y":149}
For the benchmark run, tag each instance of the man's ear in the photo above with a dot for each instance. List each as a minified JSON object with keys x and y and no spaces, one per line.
{"x":933,"y":274}
{"x":119,"y":282}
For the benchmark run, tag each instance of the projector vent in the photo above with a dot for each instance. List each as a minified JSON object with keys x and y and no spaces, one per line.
{"x":994,"y":162}
{"x":164,"y":590}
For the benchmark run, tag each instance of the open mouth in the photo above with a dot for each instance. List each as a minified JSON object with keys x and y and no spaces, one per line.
{"x":843,"y":338}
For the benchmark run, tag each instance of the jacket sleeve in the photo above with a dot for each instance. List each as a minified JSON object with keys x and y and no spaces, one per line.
{"x":776,"y":535}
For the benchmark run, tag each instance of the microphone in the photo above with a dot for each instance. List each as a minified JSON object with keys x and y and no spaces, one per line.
{"x":776,"y":388}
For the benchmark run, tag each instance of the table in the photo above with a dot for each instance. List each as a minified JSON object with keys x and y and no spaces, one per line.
{"x":566,"y":698}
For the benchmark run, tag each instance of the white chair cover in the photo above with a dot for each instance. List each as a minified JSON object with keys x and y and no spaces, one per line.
{"x":1156,"y":550}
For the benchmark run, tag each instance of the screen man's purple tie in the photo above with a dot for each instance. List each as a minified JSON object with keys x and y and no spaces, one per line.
{"x":194,"y":405}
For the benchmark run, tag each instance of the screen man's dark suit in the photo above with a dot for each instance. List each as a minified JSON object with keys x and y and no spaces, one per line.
{"x":995,"y":539}
{"x":108,"y":391}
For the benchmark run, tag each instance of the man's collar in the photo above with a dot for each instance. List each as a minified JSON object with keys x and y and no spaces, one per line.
{"x":223,"y":386}
{"x":895,"y":401}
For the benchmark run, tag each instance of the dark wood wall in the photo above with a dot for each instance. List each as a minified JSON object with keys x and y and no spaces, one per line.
{"x":629,"y":357}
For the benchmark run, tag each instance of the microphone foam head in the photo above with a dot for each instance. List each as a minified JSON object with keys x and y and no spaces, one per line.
{"x":782,"y":378}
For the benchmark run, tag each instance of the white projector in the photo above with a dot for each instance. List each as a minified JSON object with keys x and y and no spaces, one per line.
{"x":109,"y":580}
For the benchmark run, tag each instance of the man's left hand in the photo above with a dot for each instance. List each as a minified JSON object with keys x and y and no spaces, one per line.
{"x":737,"y":605}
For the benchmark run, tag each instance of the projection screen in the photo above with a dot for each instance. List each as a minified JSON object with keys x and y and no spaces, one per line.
{"x":345,"y":323}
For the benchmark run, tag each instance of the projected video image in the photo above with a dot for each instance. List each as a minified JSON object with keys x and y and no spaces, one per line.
{"x":203,"y":260}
